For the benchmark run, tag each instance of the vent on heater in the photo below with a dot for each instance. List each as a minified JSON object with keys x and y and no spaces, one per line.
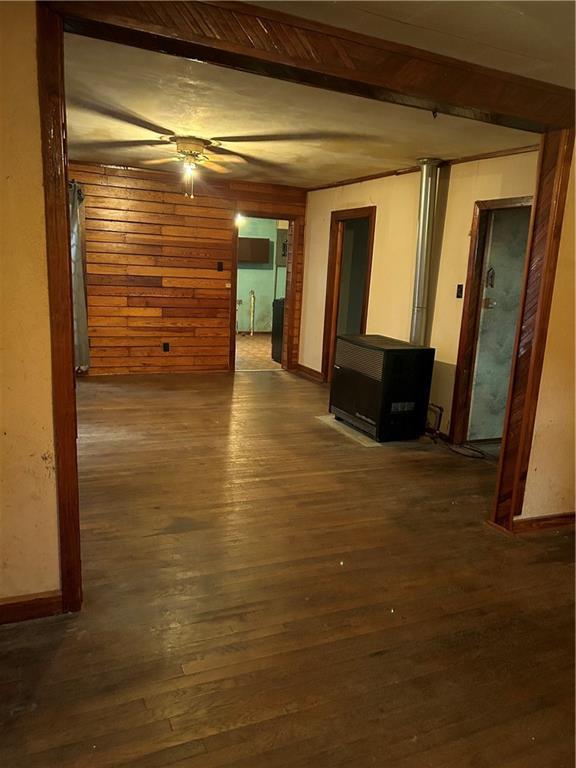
{"x":368,"y":362}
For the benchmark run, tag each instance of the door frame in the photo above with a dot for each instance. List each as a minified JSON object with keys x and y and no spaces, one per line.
{"x":289,"y":302}
{"x":471,"y":311}
{"x":337,"y":222}
{"x":326,"y":57}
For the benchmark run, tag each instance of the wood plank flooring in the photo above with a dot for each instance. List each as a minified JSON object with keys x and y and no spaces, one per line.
{"x":254,"y":353}
{"x":263,"y":592}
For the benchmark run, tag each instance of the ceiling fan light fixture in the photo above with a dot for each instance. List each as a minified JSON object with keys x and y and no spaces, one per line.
{"x":192,"y":150}
{"x":188,"y":173}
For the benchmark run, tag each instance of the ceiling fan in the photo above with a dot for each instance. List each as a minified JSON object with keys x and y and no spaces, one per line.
{"x":193,"y":151}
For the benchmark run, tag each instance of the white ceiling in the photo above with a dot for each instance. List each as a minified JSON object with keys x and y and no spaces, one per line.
{"x":526,"y":37}
{"x":119,"y":94}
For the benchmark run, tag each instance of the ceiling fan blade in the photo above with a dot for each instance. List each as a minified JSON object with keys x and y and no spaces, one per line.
{"x":119,"y":113}
{"x":210,"y":165}
{"x":261,"y":162}
{"x":226,"y":155}
{"x":302,"y":136}
{"x":161,"y":161}
{"x":120,"y":144}
{"x":229,"y":153}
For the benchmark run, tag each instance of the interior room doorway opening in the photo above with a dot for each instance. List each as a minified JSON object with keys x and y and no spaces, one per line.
{"x":348,"y":282}
{"x":490,"y":321}
{"x":180,"y":35}
{"x":261,"y":272}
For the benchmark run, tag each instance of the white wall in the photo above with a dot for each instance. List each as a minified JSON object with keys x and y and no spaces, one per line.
{"x":550,"y":483}
{"x":396,"y":198}
{"x":28,"y":520}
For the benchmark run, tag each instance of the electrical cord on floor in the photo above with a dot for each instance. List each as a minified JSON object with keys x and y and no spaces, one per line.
{"x":467,"y":450}
{"x":462,"y":449}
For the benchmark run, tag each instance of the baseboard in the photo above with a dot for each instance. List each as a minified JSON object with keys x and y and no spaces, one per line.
{"x":499,"y":528}
{"x":528,"y":524}
{"x":308,"y":373}
{"x":30,"y":607}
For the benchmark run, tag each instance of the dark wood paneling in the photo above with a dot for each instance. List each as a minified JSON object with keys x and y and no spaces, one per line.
{"x":337,"y":221}
{"x":50,"y":47}
{"x":471,"y":314}
{"x":554,"y":167}
{"x":294,"y":292}
{"x":278,"y":45}
{"x":164,"y":281}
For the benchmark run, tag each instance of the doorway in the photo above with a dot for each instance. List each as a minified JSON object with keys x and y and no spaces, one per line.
{"x":261,"y":271}
{"x":489,"y":322}
{"x":348,"y":282}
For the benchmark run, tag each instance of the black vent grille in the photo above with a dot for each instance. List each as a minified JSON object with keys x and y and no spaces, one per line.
{"x":368,"y":362}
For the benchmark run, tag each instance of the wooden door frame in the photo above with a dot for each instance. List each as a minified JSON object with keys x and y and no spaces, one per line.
{"x":554,"y":162}
{"x":289,"y":304}
{"x":471,"y":311}
{"x":337,"y":221}
{"x":270,"y":43}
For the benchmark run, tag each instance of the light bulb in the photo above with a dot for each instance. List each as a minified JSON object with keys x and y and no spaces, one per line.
{"x":189,"y":172}
{"x":239,"y":220}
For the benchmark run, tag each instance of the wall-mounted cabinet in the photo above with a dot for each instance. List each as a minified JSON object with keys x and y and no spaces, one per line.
{"x":253,"y":250}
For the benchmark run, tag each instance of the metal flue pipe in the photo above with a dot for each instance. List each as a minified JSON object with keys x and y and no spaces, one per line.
{"x":428,"y":185}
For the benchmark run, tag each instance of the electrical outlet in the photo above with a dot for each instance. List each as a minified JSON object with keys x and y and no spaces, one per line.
{"x":166,"y":347}
{"x":220,"y":266}
{"x":459,"y":290}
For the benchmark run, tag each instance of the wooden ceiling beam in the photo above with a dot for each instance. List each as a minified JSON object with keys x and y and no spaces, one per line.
{"x":273,"y":44}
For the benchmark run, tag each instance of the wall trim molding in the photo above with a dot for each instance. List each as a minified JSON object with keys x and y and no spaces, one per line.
{"x":309,"y":373}
{"x":276,"y":44}
{"x":335,"y":249}
{"x":263,"y":42}
{"x":536,"y":300}
{"x":416,"y":168}
{"x":50,"y":55}
{"x":36,"y":606}
{"x":532,"y":524}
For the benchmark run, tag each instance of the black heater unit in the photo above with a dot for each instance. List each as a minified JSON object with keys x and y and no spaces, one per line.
{"x":381,"y":386}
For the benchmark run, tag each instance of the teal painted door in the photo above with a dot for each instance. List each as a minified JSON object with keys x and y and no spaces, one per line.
{"x":503,"y":269}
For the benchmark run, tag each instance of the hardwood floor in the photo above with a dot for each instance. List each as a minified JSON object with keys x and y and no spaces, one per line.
{"x":263,"y":592}
{"x":254,"y":353}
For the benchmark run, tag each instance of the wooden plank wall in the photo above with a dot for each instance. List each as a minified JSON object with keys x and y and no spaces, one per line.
{"x":152,"y":267}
